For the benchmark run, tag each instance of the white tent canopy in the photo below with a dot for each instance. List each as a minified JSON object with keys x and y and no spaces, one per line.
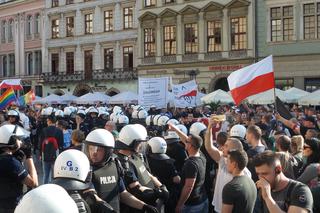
{"x":126,"y":97}
{"x":266,"y":97}
{"x":92,"y":98}
{"x":293,"y":94}
{"x":311,"y":99}
{"x":50,"y":99}
{"x":217,"y":96}
{"x":67,"y":98}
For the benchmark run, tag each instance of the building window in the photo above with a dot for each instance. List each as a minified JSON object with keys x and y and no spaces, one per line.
{"x":70,"y":62}
{"x":54,"y":63}
{"x":10,"y":31}
{"x":170,"y":45}
{"x":37,"y":25}
{"x":311,"y":21}
{"x":55,"y":28}
{"x":108,"y":59}
{"x":11,"y":65}
{"x":38,"y":90}
{"x":312,"y":84}
{"x":108,"y":20}
{"x":239,"y":33}
{"x":149,"y":42}
{"x":37,"y":64}
{"x":3,"y":31}
{"x":4,"y":66}
{"x":29,"y":63}
{"x":128,"y":17}
{"x":214,"y":36}
{"x":28,"y":30}
{"x":55,"y":3}
{"x":128,"y":57}
{"x":69,"y":2}
{"x":168,"y":1}
{"x":281,"y":23}
{"x":88,"y":23}
{"x":149,"y":3}
{"x":70,"y":26}
{"x":284,"y":84}
{"x":191,"y":38}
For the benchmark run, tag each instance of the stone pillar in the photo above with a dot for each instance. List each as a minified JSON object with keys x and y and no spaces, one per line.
{"x":97,"y":57}
{"x":79,"y":23}
{"x":21,"y":68}
{"x":78,"y":59}
{"x":16,"y":39}
{"x":140,"y":45}
{"x":225,"y":34}
{"x":201,"y":36}
{"x":62,"y":60}
{"x":62,"y":26}
{"x":98,"y":20}
{"x":118,"y":55}
{"x":158,"y":41}
{"x":179,"y":38}
{"x":33,"y":71}
{"x":118,"y":18}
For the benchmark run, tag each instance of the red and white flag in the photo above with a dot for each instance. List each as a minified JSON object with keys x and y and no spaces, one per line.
{"x":251,"y":80}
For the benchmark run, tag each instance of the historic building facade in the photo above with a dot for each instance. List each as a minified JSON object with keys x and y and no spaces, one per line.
{"x":21,"y":31}
{"x":290,"y":31}
{"x":203,"y":40}
{"x":90,"y":45}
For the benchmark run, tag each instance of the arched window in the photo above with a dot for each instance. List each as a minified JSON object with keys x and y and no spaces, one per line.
{"x":10,"y":31}
{"x":37,"y":24}
{"x":28,"y":29}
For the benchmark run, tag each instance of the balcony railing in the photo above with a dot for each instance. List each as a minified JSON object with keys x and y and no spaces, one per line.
{"x":23,"y":77}
{"x":213,"y":56}
{"x":168,"y":59}
{"x":149,"y":60}
{"x":238,"y":54}
{"x":190,"y":57}
{"x":102,"y":74}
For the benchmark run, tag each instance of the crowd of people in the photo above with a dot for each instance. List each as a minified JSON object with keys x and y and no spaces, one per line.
{"x":129,"y":159}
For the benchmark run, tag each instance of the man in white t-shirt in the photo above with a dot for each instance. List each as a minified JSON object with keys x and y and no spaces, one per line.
{"x":223,"y":176}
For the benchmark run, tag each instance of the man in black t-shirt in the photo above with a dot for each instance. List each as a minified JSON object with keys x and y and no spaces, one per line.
{"x":239,"y":195}
{"x":278,"y":192}
{"x":193,"y":197}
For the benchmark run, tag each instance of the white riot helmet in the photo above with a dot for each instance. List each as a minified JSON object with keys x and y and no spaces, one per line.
{"x":72,"y":170}
{"x":100,"y":137}
{"x":238,"y":130}
{"x":49,"y":111}
{"x":115,"y":118}
{"x":92,"y":110}
{"x":158,"y":148}
{"x":149,"y":120}
{"x":171,"y":136}
{"x":117,"y":109}
{"x":67,"y":111}
{"x":123,"y":119}
{"x":155,"y":120}
{"x":134,"y":114}
{"x":9,"y":133}
{"x":59,"y":113}
{"x":182,"y":128}
{"x":173,"y":121}
{"x":47,"y":198}
{"x":112,"y":115}
{"x":162,"y":120}
{"x":13,"y":112}
{"x":103,"y":113}
{"x":197,"y":128}
{"x":130,"y":135}
{"x":81,"y":113}
{"x":43,"y":112}
{"x":142,"y":114}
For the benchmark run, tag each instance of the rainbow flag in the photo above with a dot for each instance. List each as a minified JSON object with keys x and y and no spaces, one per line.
{"x":27,"y":98}
{"x":7,"y":98}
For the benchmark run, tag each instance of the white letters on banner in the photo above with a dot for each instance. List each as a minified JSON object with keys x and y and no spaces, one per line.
{"x":153,"y":91}
{"x":180,"y":91}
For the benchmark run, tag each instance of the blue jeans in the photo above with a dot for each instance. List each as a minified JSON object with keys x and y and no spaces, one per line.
{"x":200,"y":208}
{"x":47,"y":169}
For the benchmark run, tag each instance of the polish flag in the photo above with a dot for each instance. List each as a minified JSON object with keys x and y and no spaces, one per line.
{"x":251,"y":80}
{"x":190,"y":93}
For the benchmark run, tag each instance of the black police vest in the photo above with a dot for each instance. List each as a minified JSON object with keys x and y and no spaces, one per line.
{"x":142,"y":172}
{"x":106,"y":180}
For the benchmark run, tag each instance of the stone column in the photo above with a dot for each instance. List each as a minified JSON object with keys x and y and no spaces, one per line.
{"x":79,"y":23}
{"x":201,"y":36}
{"x":225,"y":34}
{"x":179,"y":38}
{"x":98,"y":20}
{"x":158,"y":41}
{"x":118,"y":19}
{"x":62,"y":60}
{"x":62,"y":26}
{"x":21,"y":68}
{"x":78,"y":59}
{"x":97,"y":57}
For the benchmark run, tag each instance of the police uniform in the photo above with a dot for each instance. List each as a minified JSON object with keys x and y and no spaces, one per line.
{"x":12,"y":173}
{"x":108,"y":183}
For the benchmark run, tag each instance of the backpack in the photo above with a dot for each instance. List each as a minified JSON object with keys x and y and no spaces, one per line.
{"x":50,"y":149}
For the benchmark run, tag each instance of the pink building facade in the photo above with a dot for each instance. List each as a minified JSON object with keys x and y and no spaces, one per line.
{"x":21,"y":31}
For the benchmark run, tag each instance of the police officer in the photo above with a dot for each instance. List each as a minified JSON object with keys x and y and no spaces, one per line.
{"x":163,"y":168}
{"x":138,"y":179}
{"x":12,"y":172}
{"x":14,"y":118}
{"x":80,"y":122}
{"x":47,"y":198}
{"x":72,"y":172}
{"x":107,"y":173}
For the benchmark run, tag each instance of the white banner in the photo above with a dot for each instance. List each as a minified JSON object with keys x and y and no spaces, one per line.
{"x":183,"y":94}
{"x":153,"y":91}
